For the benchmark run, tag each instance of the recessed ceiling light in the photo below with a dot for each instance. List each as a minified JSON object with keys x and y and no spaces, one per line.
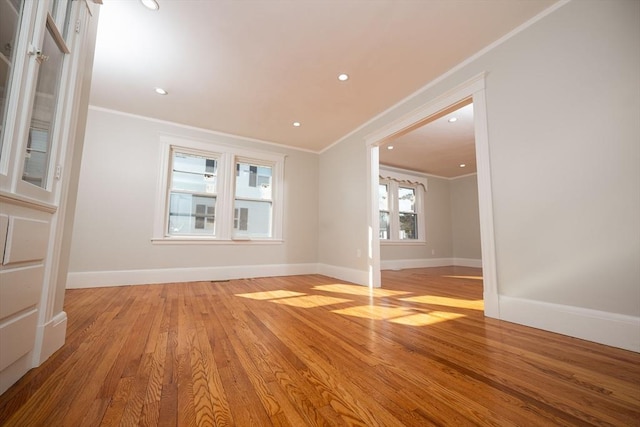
{"x":296,"y":124}
{"x":161,"y":91}
{"x":462,"y":165}
{"x":343,"y":77}
{"x":453,"y":119}
{"x":390,"y":147}
{"x":150,"y":4}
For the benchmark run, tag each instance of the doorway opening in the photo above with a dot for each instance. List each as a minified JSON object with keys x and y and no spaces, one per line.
{"x":471,"y":92}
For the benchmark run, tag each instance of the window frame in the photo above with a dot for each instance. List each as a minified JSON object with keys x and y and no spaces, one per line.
{"x":394,"y":179}
{"x":227,"y":157}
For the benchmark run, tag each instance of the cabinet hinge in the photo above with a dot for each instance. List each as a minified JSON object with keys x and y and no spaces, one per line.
{"x":78,"y":26}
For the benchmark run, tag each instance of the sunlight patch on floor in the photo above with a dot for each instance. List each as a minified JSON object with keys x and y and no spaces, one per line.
{"x":465,"y":277}
{"x":375,"y":312}
{"x":270,"y":295}
{"x":310,"y":301}
{"x":399,"y":315}
{"x":423,"y":319}
{"x":358,"y":290}
{"x":449,"y":302}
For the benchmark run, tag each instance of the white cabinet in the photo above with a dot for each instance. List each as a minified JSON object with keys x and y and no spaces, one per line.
{"x":44,"y":64}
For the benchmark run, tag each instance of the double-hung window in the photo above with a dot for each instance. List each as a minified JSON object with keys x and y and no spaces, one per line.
{"x":401,"y":209}
{"x":218,"y":193}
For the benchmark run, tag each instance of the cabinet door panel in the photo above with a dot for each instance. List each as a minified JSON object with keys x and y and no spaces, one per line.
{"x":17,"y":338}
{"x":27,"y":240}
{"x":20,"y":289}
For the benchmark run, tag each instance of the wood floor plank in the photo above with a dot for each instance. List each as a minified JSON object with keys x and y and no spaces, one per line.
{"x":314,"y":351}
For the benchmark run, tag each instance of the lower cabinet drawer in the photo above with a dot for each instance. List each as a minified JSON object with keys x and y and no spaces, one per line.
{"x":17,"y":337}
{"x":20,"y":288}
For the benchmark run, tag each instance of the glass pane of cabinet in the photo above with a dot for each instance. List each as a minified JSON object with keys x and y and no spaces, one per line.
{"x":43,"y":113}
{"x":10,"y":11}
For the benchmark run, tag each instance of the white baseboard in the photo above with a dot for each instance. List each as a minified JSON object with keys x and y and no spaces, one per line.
{"x":611,"y":329}
{"x":400,"y":264}
{"x":50,"y":337}
{"x":360,"y":277}
{"x":98,"y":279}
{"x":467,"y":262}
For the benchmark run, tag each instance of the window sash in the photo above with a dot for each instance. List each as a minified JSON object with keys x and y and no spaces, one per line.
{"x":190,"y":214}
{"x":253,"y":197}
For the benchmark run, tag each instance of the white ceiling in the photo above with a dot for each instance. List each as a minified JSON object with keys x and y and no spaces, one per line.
{"x":437,"y":148}
{"x":251,"y":68}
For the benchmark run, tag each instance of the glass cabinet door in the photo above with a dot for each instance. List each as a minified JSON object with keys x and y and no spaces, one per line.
{"x":10,"y":11}
{"x":38,"y":155}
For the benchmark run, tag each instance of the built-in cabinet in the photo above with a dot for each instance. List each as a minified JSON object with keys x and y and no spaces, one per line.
{"x":45,"y":50}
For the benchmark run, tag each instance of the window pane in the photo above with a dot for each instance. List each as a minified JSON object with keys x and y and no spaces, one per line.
{"x":252,"y":218}
{"x":253,"y":181}
{"x":385,"y":230}
{"x":190,"y":214}
{"x":408,"y":226}
{"x":406,"y":199}
{"x":194,"y":173}
{"x":383,"y":197}
{"x":38,"y":153}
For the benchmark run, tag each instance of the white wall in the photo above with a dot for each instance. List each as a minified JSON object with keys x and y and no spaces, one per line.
{"x":343,"y":209}
{"x":563,"y":101}
{"x":465,"y":218}
{"x":115,"y":211}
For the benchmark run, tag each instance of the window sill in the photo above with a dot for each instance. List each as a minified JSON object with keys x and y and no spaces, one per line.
{"x":211,"y":241}
{"x":402,"y":242}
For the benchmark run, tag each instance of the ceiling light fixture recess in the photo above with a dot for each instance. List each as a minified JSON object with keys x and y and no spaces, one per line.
{"x":150,"y":4}
{"x":453,"y":119}
{"x":161,"y":91}
{"x":296,"y":124}
{"x":343,"y":77}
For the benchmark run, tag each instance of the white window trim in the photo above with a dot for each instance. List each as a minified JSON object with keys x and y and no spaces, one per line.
{"x":395,"y":178}
{"x":227,"y":157}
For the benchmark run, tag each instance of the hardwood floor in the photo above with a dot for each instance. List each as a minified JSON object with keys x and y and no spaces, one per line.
{"x":310,"y":350}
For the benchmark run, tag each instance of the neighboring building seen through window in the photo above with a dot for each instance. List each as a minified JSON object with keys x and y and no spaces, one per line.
{"x":192,"y":197}
{"x":253,"y":200}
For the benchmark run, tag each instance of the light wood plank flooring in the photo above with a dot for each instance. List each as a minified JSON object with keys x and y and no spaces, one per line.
{"x":311,"y":351}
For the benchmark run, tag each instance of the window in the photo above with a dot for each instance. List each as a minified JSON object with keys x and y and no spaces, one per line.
{"x":383,"y":203}
{"x":216,"y":193}
{"x":192,"y":196}
{"x":253,"y":200}
{"x":407,"y":213}
{"x":401,"y":211}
